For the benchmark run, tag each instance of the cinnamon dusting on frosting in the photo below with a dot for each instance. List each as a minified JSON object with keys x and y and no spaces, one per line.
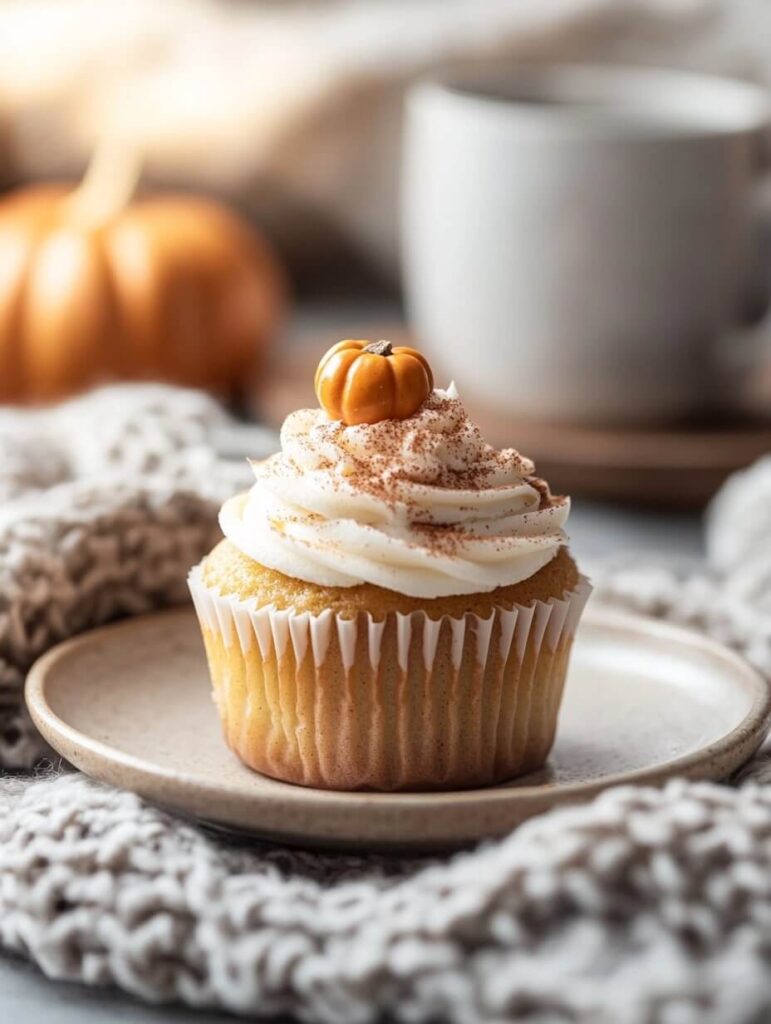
{"x":422,"y":505}
{"x":420,"y":449}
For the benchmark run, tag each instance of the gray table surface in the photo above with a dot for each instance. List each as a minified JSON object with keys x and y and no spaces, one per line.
{"x":28,"y":998}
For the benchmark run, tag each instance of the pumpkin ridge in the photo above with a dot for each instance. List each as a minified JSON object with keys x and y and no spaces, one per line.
{"x":117,"y":342}
{"x":334,"y":386}
{"x":15,"y":336}
{"x":392,"y":376}
{"x":359,"y":367}
{"x":72,"y":335}
{"x":37,"y":230}
{"x":406,"y":375}
{"x":407,"y":351}
{"x":348,"y":345}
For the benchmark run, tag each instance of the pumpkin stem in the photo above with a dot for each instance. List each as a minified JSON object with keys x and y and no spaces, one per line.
{"x":379,"y":348}
{"x":109,"y":183}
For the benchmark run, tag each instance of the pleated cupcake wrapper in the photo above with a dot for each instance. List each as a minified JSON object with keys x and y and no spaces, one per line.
{"x":508,"y":649}
{"x":274,"y":629}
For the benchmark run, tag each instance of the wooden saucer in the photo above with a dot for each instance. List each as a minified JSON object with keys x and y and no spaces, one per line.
{"x":676,"y":468}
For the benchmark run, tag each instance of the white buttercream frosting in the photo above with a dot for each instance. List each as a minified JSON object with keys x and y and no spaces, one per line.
{"x":423,"y":506}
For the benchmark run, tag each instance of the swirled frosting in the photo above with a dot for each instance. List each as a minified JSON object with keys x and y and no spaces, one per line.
{"x":423,"y":506}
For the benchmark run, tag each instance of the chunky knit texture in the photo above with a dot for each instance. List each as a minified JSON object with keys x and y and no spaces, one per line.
{"x":643,"y":906}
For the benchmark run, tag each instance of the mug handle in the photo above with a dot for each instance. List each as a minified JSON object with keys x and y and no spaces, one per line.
{"x":744,"y":356}
{"x":758,"y":295}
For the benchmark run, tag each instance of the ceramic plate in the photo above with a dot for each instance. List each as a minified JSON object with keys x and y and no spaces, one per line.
{"x":130,"y":704}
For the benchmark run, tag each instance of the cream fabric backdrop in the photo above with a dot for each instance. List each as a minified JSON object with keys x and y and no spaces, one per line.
{"x":295,"y":108}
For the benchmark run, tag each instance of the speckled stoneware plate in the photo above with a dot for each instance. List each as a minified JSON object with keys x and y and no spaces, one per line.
{"x":130,"y":704}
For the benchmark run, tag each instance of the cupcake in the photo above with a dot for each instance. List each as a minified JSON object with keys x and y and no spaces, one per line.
{"x":393,"y":604}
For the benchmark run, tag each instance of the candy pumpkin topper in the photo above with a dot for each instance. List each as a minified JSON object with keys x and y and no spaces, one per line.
{"x":365,"y":382}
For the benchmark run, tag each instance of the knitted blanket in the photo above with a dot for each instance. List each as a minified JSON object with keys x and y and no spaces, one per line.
{"x":644,"y":906}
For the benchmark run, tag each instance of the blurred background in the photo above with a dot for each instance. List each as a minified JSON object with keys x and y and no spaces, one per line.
{"x":211,"y":192}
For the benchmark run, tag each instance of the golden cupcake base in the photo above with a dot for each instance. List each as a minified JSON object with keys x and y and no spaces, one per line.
{"x":397,"y":702}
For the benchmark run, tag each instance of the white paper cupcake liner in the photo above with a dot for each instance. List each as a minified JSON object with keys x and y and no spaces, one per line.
{"x":402,"y":702}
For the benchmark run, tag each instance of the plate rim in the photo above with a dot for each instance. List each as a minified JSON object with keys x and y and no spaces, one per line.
{"x":734,"y":746}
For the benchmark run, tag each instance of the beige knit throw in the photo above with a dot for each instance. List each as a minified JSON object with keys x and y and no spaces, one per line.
{"x":643,"y":906}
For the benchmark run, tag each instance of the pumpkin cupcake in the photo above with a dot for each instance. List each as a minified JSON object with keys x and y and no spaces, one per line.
{"x":393,"y":605}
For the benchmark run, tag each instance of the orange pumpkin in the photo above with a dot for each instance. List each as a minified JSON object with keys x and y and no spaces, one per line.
{"x":364,"y":382}
{"x":171,"y":288}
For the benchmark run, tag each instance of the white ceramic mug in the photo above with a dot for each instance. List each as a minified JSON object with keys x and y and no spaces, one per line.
{"x":575,"y":237}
